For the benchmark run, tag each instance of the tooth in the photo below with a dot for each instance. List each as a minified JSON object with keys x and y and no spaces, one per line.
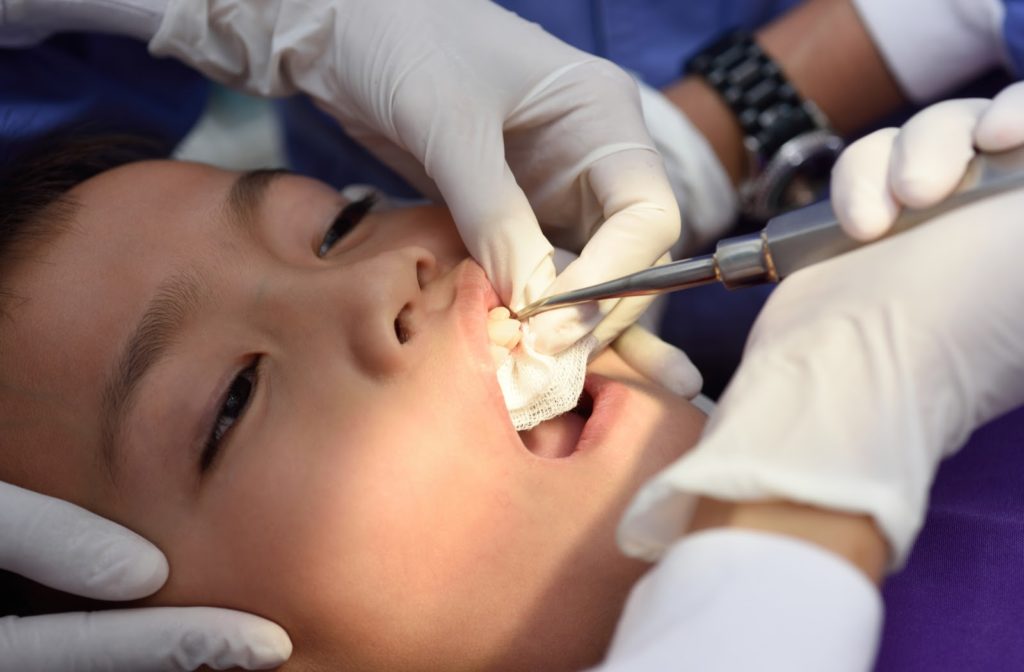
{"x":503,"y":332}
{"x":499,"y":313}
{"x":518,"y":336}
{"x":499,"y":354}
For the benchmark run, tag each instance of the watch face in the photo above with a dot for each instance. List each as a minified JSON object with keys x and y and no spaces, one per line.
{"x":808,"y":182}
{"x":797,"y":175}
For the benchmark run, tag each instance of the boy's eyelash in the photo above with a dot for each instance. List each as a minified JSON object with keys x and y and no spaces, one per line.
{"x":346,"y":220}
{"x":230,"y":411}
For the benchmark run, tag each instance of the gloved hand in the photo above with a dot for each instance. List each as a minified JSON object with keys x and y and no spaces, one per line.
{"x":920,"y":164}
{"x":865,"y":371}
{"x":472,"y":103}
{"x":65,"y":547}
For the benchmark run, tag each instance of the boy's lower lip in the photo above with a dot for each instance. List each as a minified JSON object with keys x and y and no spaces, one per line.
{"x":608,"y":402}
{"x":571,"y":434}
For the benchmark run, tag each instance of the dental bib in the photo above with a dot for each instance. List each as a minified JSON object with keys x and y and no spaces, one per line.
{"x":538,"y":387}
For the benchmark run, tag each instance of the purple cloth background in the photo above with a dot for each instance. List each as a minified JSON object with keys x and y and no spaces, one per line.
{"x":959,"y":602}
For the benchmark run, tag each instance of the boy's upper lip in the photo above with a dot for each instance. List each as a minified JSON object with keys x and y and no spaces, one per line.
{"x":474,"y":295}
{"x":474,"y":298}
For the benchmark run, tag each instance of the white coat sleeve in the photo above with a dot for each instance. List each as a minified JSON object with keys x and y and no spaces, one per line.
{"x":743,"y":600}
{"x":934,"y":46}
{"x":26,"y":22}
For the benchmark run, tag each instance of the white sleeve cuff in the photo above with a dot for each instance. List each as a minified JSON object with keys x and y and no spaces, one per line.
{"x":26,"y":22}
{"x":934,"y":46}
{"x":744,"y":600}
{"x":707,"y":199}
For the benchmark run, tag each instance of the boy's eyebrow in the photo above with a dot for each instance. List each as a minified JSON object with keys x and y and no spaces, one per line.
{"x":172,"y":305}
{"x":175,"y":301}
{"x":247,"y":193}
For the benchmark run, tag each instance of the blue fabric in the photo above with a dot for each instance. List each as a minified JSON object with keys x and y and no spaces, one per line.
{"x":98,"y":83}
{"x":1013,"y":34}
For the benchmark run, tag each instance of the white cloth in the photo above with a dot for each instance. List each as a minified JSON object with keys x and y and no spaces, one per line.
{"x":934,"y":46}
{"x":729,"y":600}
{"x":538,"y":387}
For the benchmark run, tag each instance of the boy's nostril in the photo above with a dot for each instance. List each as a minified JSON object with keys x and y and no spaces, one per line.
{"x":402,"y":332}
{"x":426,"y":271}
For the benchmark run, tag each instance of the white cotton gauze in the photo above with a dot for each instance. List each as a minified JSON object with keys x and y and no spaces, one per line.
{"x":539,"y":387}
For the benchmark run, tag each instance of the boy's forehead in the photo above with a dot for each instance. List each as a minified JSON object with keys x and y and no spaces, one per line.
{"x":77,"y":300}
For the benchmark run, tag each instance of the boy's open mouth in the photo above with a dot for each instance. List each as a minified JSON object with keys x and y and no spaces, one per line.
{"x":560,"y":436}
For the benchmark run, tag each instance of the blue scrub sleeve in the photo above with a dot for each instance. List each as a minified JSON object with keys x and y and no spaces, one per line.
{"x":1013,"y":34}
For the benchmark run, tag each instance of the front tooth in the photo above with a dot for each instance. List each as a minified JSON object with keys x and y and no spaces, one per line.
{"x":499,"y":313}
{"x":517,"y":337}
{"x":503,"y":332}
{"x":498,"y":354}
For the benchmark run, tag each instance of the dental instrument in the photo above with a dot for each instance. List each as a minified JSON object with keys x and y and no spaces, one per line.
{"x":788,"y":242}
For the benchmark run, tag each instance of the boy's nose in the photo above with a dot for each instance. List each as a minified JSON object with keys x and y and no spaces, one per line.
{"x":374,"y":302}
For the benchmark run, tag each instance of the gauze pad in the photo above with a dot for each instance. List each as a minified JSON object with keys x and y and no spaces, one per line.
{"x":538,"y":387}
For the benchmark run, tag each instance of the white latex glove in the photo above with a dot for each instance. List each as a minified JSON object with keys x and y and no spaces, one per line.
{"x":65,"y":547}
{"x":468,"y":101}
{"x":863,"y":372}
{"x":922,"y":162}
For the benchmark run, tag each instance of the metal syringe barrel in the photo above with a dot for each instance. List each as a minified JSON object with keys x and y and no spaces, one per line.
{"x":813,"y":234}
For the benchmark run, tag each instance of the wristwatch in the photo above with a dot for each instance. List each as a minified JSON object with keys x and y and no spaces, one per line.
{"x":791,"y":147}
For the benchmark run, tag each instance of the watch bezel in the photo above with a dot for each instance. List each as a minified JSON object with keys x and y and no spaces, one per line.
{"x":763,"y":196}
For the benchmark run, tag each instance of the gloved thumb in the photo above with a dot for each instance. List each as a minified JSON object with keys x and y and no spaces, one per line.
{"x":466,"y":161}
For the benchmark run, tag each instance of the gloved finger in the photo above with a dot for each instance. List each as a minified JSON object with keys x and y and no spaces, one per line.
{"x":1001,"y":126}
{"x":659,"y":361}
{"x":63,"y":546}
{"x":623,"y":314}
{"x":641,"y":224}
{"x":620,"y":318}
{"x":932,"y":150}
{"x":466,"y":160}
{"x":861,"y":198}
{"x":162,"y":639}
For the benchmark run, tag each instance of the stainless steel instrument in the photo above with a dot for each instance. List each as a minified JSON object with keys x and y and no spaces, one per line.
{"x":788,"y":242}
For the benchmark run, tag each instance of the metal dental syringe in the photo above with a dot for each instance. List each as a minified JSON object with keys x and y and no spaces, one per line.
{"x":788,"y":242}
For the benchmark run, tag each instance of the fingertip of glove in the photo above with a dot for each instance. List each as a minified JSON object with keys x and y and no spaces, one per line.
{"x":682,"y":378}
{"x":921,"y":189}
{"x":149,"y":572}
{"x":673,"y":369}
{"x":1000,"y":127}
{"x":865,"y":216}
{"x":997,"y":135}
{"x":269,"y":644}
{"x":135,"y":568}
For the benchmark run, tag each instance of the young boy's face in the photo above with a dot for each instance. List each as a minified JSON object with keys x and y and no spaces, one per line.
{"x":367,"y":491}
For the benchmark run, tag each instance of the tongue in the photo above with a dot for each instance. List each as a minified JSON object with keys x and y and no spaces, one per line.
{"x":556,"y":437}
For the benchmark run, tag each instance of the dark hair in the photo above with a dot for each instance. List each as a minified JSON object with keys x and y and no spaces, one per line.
{"x":34,"y":186}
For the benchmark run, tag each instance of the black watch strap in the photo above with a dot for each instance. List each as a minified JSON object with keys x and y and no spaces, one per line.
{"x":768,"y":108}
